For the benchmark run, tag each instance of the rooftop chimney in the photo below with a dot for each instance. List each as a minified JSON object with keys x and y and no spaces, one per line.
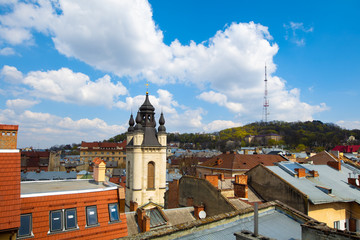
{"x":143,"y":220}
{"x":300,"y":172}
{"x":133,"y":206}
{"x":335,"y":164}
{"x":197,"y":210}
{"x":8,"y":136}
{"x":314,"y":173}
{"x":99,"y":170}
{"x":242,"y":179}
{"x":213,"y":179}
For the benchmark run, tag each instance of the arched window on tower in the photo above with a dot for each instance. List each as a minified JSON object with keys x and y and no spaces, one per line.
{"x":151,"y":175}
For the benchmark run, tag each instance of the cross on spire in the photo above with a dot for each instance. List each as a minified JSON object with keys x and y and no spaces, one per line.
{"x":147,"y":87}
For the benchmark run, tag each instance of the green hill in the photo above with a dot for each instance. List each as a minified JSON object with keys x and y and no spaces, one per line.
{"x":309,"y":135}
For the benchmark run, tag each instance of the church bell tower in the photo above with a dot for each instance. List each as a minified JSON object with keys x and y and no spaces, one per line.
{"x":145,"y":158}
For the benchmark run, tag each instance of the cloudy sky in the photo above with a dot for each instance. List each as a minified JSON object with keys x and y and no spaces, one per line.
{"x":75,"y":70}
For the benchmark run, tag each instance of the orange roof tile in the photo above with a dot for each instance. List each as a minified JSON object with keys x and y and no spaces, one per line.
{"x":97,"y":161}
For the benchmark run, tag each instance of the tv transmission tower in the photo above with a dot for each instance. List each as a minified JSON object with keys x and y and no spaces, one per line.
{"x":266,"y":101}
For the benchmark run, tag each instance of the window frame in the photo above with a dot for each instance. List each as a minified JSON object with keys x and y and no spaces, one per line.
{"x":87,"y":211}
{"x":61,"y":220}
{"x":66,"y":219}
{"x":117,"y":210}
{"x":30,"y":227}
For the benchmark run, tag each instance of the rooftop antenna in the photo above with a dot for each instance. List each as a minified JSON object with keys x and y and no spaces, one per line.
{"x":266,"y":101}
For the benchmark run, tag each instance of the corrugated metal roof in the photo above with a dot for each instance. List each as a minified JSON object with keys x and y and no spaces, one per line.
{"x":272,"y":223}
{"x":329,"y":178}
{"x":156,"y":218}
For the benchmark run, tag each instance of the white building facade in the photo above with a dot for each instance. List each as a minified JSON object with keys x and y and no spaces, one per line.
{"x":145,"y":158}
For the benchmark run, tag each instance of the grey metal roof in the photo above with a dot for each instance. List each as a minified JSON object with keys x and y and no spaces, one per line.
{"x":300,"y":154}
{"x":175,"y":216}
{"x":174,"y":175}
{"x":328,"y":178}
{"x":156,"y":218}
{"x":34,"y":176}
{"x":272,"y":223}
{"x":56,"y":187}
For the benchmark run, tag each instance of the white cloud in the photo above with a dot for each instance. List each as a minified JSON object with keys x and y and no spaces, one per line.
{"x":64,"y":85}
{"x":121,"y":37}
{"x":7,"y":51}
{"x":164,"y":102}
{"x":45,"y":130}
{"x":178,"y":118}
{"x":221,"y":100}
{"x":349,"y":124}
{"x":298,"y":31}
{"x":11,"y":74}
{"x":16,"y":27}
{"x":20,"y":104}
{"x":218,"y":125}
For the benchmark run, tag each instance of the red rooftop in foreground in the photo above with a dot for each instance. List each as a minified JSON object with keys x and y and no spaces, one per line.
{"x":9,"y":182}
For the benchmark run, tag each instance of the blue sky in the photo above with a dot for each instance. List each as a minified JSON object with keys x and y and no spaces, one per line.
{"x":73,"y":71}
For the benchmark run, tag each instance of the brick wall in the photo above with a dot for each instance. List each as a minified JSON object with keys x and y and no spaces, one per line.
{"x":40,"y":207}
{"x":242,"y":179}
{"x":8,"y":136}
{"x":9,"y":190}
{"x":173,"y":194}
{"x":213,"y":179}
{"x":241,"y":190}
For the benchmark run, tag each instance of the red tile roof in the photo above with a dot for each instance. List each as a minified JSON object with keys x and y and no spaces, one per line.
{"x":241,"y":161}
{"x":347,"y":149}
{"x":97,"y":161}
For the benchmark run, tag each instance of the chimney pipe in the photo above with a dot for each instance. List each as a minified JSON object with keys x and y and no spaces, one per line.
{"x":256,"y":220}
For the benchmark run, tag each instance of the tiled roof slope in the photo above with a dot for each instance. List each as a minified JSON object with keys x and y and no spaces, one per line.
{"x":322,"y":158}
{"x":241,"y":161}
{"x":103,"y":145}
{"x":9,"y":190}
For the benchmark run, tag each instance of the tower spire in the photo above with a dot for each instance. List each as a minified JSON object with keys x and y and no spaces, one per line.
{"x":266,"y":101}
{"x":147,"y":87}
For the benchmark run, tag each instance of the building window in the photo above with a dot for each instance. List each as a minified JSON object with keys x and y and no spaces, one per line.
{"x":151,"y":175}
{"x":56,"y":221}
{"x":107,"y":153}
{"x":113,"y":153}
{"x":112,"y":158}
{"x":113,"y":212}
{"x":102,"y":153}
{"x":70,"y":219}
{"x":59,"y":217}
{"x":25,"y":225}
{"x":91,"y":216}
{"x":337,"y":224}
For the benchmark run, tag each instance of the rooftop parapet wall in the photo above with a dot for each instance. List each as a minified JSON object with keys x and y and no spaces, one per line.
{"x":8,"y":136}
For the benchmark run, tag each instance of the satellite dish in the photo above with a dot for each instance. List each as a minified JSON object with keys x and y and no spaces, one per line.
{"x":357,"y":182}
{"x":202,"y":214}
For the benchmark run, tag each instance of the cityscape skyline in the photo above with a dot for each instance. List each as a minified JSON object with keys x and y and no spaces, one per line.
{"x":74,"y":71}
